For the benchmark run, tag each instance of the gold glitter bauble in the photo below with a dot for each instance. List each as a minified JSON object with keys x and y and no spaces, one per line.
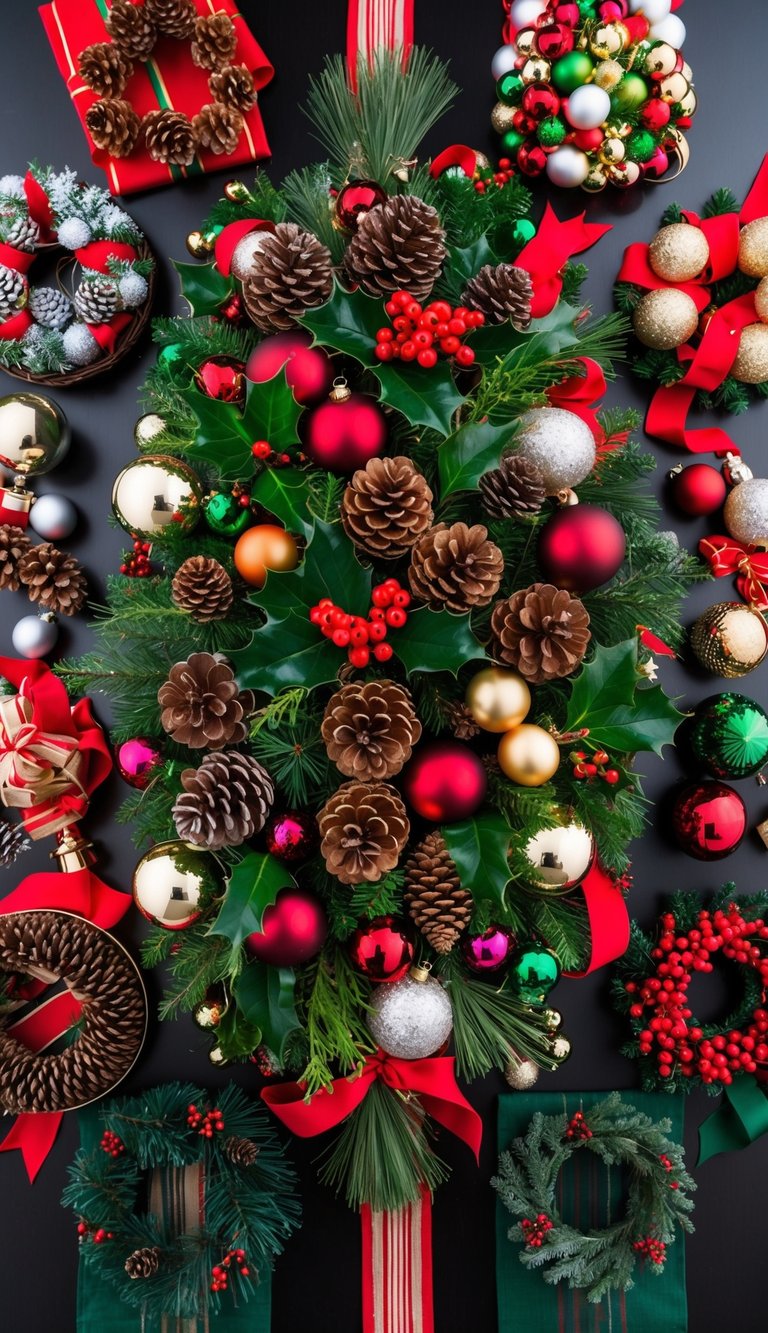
{"x":678,"y":252}
{"x":674,"y":88}
{"x":502,"y":117}
{"x":611,"y":151}
{"x":536,"y":70}
{"x":753,"y":248}
{"x":751,"y":364}
{"x":498,"y":699}
{"x":525,"y":41}
{"x":607,"y":74}
{"x":730,"y":639}
{"x":528,"y":755}
{"x":761,"y":300}
{"x":520,"y":1074}
{"x":665,"y":318}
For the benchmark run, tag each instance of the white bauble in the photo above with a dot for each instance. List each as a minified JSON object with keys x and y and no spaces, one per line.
{"x":134,"y":289}
{"x":654,"y":10}
{"x":244,"y":252}
{"x":670,"y":29}
{"x":524,"y":13}
{"x":73,"y":233}
{"x":746,"y":512}
{"x":80,"y":346}
{"x":410,"y":1019}
{"x":503,"y":61}
{"x":34,"y":636}
{"x":567,"y":167}
{"x":53,"y":517}
{"x":560,"y":445}
{"x":13,"y":186}
{"x":587,"y":107}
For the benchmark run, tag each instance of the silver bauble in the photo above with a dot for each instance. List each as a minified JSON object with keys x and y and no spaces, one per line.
{"x":53,"y":517}
{"x":410,"y":1019}
{"x":746,"y":512}
{"x":559,"y":443}
{"x":35,"y":636}
{"x":560,"y":857}
{"x":521,"y":1074}
{"x":244,"y":254}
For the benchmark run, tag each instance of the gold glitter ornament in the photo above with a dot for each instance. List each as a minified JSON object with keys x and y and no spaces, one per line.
{"x":536,"y":70}
{"x":746,"y":511}
{"x":730,"y":639}
{"x":661,"y":60}
{"x":753,"y":248}
{"x":525,"y":41}
{"x":502,"y":117}
{"x":665,"y":318}
{"x":607,"y":74}
{"x":761,"y":300}
{"x":678,"y":252}
{"x":751,"y":364}
{"x":611,"y":151}
{"x":520,"y":1074}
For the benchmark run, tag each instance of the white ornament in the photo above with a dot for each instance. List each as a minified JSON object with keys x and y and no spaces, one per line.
{"x":670,"y":29}
{"x":13,"y":186}
{"x":74,"y":233}
{"x":410,"y":1019}
{"x":53,"y":517}
{"x":34,"y":636}
{"x":133,"y":289}
{"x":568,"y":167}
{"x":524,"y":13}
{"x":560,"y":445}
{"x":654,"y":10}
{"x":503,"y":61}
{"x":587,"y":107}
{"x":746,"y":512}
{"x":245,"y":251}
{"x":80,"y":346}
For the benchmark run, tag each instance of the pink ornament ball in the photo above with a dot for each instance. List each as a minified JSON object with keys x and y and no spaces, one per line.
{"x":489,"y":952}
{"x":136,"y":761}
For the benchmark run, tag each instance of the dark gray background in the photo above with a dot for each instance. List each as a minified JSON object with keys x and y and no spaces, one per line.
{"x":317,"y":1281}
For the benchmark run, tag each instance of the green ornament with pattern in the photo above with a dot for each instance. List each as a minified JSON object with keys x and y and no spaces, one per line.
{"x":729,"y":736}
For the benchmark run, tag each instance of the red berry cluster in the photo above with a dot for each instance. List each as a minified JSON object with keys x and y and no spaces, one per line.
{"x":586,"y":767}
{"x":205,"y":1122}
{"x":679,"y":1045}
{"x":265,"y":1062}
{"x":419,"y":332}
{"x":263,"y":451}
{"x":220,"y":1272}
{"x":666,"y":1162}
{"x":136,"y":562}
{"x":534,"y":1233}
{"x":498,"y":178}
{"x":651,"y":1248}
{"x":98,"y":1236}
{"x":362,"y":636}
{"x":578,"y":1128}
{"x":112,"y":1144}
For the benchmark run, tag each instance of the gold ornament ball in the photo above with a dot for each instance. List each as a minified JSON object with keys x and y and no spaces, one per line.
{"x":155,"y":491}
{"x":607,"y":40}
{"x":611,"y":151}
{"x":560,"y":857}
{"x":624,"y":174}
{"x":263,"y":548}
{"x":536,"y":70}
{"x":753,"y":248}
{"x":553,"y":1019}
{"x":595,"y":179}
{"x":678,"y":252}
{"x":498,"y":699}
{"x":560,"y":1048}
{"x":608,"y":74}
{"x":528,"y":755}
{"x":661,"y":59}
{"x":674,"y":88}
{"x":751,"y":364}
{"x":521,"y":1074}
{"x":34,"y":434}
{"x":761,"y":300}
{"x":147,"y":430}
{"x":236,"y":192}
{"x":665,"y":318}
{"x":525,"y":41}
{"x":502,"y":117}
{"x":174,"y":884}
{"x":199,"y":245}
{"x":730,"y":639}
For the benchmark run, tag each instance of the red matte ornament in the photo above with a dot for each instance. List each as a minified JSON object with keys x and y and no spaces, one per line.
{"x":709,"y":820}
{"x":356,"y":199}
{"x":489,"y":952}
{"x":588,"y":140}
{"x":222,"y":378}
{"x":293,"y":929}
{"x":444,"y":781}
{"x":581,"y":547}
{"x":136,"y":760}
{"x":382,"y":949}
{"x":344,"y":434}
{"x":698,"y":489}
{"x":291,"y":835}
{"x":308,"y":369}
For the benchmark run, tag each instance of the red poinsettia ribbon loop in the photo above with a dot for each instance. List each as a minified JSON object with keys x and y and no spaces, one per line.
{"x":39,"y":205}
{"x":726,"y":556}
{"x":608,"y":920}
{"x":581,"y":393}
{"x":549,"y":250}
{"x":455,"y":155}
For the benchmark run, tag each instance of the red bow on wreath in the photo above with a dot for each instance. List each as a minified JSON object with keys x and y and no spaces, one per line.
{"x":580,"y":394}
{"x":750,"y":565}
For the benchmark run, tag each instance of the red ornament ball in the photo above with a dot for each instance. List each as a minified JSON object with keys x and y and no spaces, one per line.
{"x":588,"y":140}
{"x":308,"y":369}
{"x":356,"y":199}
{"x":698,"y":489}
{"x":581,"y":547}
{"x":554,"y":40}
{"x":655,"y":114}
{"x":291,"y":835}
{"x":531,"y":159}
{"x":490,"y":951}
{"x":540,"y":101}
{"x":293,"y":929}
{"x":222,"y":378}
{"x":382,"y":949}
{"x":136,"y":761}
{"x":345,"y":432}
{"x":444,"y":781}
{"x":709,"y":820}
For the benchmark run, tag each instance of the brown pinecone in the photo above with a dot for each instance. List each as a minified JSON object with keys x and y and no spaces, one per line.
{"x":433,"y":894}
{"x":291,"y":273}
{"x":398,"y":245}
{"x":224,"y":802}
{"x":243,"y":1152}
{"x":13,"y":841}
{"x":386,"y":507}
{"x":14,"y":543}
{"x":143,"y":1263}
{"x":461,"y":721}
{"x":514,"y":488}
{"x":169,"y":137}
{"x":364,"y":828}
{"x":131,"y":29}
{"x":370,"y":729}
{"x":233,"y":85}
{"x":542,"y":632}
{"x":501,"y":292}
{"x":214,"y":42}
{"x":104,"y":68}
{"x":455,"y":567}
{"x":202,"y":705}
{"x":218,"y":127}
{"x":53,"y":578}
{"x":114,"y":126}
{"x":202,"y":587}
{"x":97,"y":300}
{"x":174,"y":18}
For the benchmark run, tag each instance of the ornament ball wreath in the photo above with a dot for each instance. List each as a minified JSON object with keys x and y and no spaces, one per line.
{"x":369,"y":659}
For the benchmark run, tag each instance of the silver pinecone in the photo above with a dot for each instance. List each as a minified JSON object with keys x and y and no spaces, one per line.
{"x":23,"y":233}
{"x":50,"y":307}
{"x":13,"y":285}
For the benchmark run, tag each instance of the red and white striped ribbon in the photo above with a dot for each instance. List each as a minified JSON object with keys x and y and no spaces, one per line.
{"x":397,"y":1269}
{"x":374,"y":23}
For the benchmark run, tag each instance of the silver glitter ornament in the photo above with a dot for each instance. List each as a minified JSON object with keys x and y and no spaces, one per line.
{"x":411,"y":1018}
{"x":53,"y":517}
{"x":244,"y":254}
{"x":35,"y":636}
{"x":521,"y":1074}
{"x":746,"y":512}
{"x":559,"y":444}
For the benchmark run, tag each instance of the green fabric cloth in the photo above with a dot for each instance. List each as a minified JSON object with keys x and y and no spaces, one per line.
{"x":100,"y":1309}
{"x":591,"y":1196}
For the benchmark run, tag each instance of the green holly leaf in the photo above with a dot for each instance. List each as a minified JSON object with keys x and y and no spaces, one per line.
{"x":479,"y":848}
{"x":348,"y":322}
{"x":225,"y":433}
{"x":465,"y":456}
{"x":426,"y":397}
{"x":463,"y":264}
{"x":622,"y":714}
{"x":436,"y":641}
{"x":253,"y":886}
{"x":286,"y":652}
{"x":236,"y":1037}
{"x":545,"y":338}
{"x":204,"y":287}
{"x":265,"y":995}
{"x":284,"y":492}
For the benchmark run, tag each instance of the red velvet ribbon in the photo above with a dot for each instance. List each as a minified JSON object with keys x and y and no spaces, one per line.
{"x":107,"y":335}
{"x":726,"y":556}
{"x":580,"y":393}
{"x":97,"y":254}
{"x":608,"y":919}
{"x":16,"y":326}
{"x":549,"y":250}
{"x":229,"y":236}
{"x":456,"y":155}
{"x":432,"y":1080}
{"x":39,"y":206}
{"x":20,"y":260}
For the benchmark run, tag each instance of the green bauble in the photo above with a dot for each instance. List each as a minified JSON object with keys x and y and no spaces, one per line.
{"x":523,"y":232}
{"x":571,"y":71}
{"x":511,"y":141}
{"x":224,"y":514}
{"x":630,"y":93}
{"x":509,"y":88}
{"x":535,"y":971}
{"x":551,"y":132}
{"x":729,"y":736}
{"x":171,"y":358}
{"x":641,"y":146}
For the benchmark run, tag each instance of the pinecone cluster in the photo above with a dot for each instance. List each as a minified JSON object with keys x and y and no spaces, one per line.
{"x":455,"y":567}
{"x":243,"y":1152}
{"x":218,"y":127}
{"x":513,"y":489}
{"x":21,"y":231}
{"x":461,"y":721}
{"x":224,"y":802}
{"x":398,"y":245}
{"x":53,"y":579}
{"x":501,"y":292}
{"x":290,"y":274}
{"x":433,"y":894}
{"x":201,"y":704}
{"x":13,"y":841}
{"x":370,"y":729}
{"x":143,"y":1263}
{"x":542,"y":632}
{"x":364,"y":828}
{"x":387,"y":507}
{"x":202,"y":587}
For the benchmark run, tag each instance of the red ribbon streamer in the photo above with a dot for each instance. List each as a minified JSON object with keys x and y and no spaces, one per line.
{"x":580,"y":393}
{"x":726,"y":556}
{"x":377,"y":23}
{"x":608,"y":919}
{"x":549,"y":250}
{"x":39,"y":206}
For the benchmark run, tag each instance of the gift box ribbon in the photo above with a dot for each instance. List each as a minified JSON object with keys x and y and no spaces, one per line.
{"x":725,"y":555}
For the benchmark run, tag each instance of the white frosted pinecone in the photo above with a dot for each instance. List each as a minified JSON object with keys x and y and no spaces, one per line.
{"x":50,"y":307}
{"x":97,"y":300}
{"x":12,"y":288}
{"x":22,"y":234}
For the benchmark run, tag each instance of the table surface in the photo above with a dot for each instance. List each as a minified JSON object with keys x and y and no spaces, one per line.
{"x":317,"y":1281}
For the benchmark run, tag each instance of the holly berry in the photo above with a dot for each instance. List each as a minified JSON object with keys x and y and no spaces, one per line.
{"x":112,"y":1144}
{"x":135,"y":563}
{"x":578,"y":1127}
{"x":534,"y":1233}
{"x":362,"y":636}
{"x":414,"y":329}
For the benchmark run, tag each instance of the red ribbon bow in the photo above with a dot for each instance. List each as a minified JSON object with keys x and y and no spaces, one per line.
{"x":750,"y":565}
{"x":580,"y":394}
{"x":546,"y":254}
{"x":432,"y":1080}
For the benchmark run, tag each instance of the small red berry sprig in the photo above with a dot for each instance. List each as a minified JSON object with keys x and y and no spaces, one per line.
{"x":578,"y":1128}
{"x":265,"y":1062}
{"x":419,"y":333}
{"x":534,"y":1233}
{"x":220,"y":1273}
{"x":361,"y":635}
{"x":112,"y":1144}
{"x":666,"y":1162}
{"x":586,"y":767}
{"x":98,"y":1234}
{"x":205,"y":1122}
{"x":499,"y":178}
{"x":262,"y":450}
{"x":649,"y":1247}
{"x":135,"y":563}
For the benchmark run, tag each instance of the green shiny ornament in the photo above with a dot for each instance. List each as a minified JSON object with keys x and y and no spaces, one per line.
{"x":224,"y":514}
{"x":509,"y":88}
{"x":172,"y":359}
{"x":511,"y":141}
{"x":523,"y":231}
{"x":535,"y":971}
{"x":551,"y":132}
{"x":587,"y":8}
{"x":571,"y":71}
{"x":630,"y":93}
{"x":729,"y":736}
{"x":641,"y":146}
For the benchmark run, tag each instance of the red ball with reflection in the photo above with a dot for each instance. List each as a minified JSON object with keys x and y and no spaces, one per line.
{"x":709,"y":820}
{"x":355,"y":199}
{"x":293,"y":929}
{"x":581,"y":547}
{"x":222,"y":378}
{"x":539,"y":101}
{"x":444,"y":781}
{"x":382,"y":949}
{"x":308,"y":369}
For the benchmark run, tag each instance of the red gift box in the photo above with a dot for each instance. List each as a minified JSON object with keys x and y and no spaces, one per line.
{"x":167,"y":80}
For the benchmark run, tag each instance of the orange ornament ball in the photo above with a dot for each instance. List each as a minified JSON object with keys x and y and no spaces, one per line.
{"x":263,"y":548}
